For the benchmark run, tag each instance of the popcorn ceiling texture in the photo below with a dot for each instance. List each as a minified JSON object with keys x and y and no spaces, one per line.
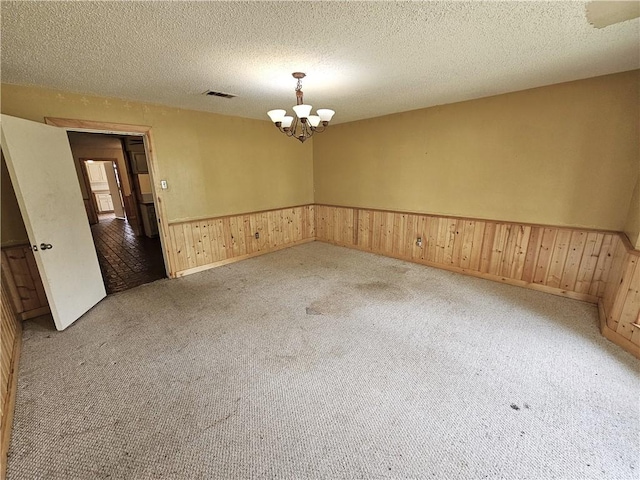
{"x":363,"y":59}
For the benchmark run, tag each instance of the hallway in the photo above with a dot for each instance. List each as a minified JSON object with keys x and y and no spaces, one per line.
{"x":126,"y":261}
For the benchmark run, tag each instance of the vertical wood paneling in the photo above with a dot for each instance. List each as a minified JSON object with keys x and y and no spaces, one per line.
{"x":620,"y":302}
{"x":199,"y":244}
{"x":545,"y":254}
{"x":10,"y":338}
{"x":565,"y":261}
{"x":558,"y":258}
{"x":588,"y":263}
{"x":23,"y":283}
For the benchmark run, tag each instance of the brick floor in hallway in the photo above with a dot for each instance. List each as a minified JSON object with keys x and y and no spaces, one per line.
{"x":126,"y":261}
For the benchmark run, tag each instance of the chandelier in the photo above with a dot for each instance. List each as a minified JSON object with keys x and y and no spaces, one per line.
{"x":303,"y":125}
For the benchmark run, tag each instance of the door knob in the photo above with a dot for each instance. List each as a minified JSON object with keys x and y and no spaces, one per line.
{"x":46,"y":246}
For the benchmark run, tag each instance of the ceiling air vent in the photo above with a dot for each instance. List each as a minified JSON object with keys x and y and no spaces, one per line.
{"x":211,"y":93}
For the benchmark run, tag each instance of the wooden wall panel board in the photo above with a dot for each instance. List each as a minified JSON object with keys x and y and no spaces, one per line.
{"x":497,"y":247}
{"x":630,"y":311}
{"x":276,"y":228}
{"x":593,"y":245}
{"x":432,"y":240}
{"x":547,"y":246}
{"x":603,"y":265}
{"x":531,"y":255}
{"x":23,"y":283}
{"x":449,"y":229}
{"x":249,"y":238}
{"x":363,"y":229}
{"x":574,"y":257}
{"x":190,"y":249}
{"x":387,"y":229}
{"x":468,"y":230}
{"x":458,"y":239}
{"x":347,"y":223}
{"x":621,"y":293}
{"x":23,"y":279}
{"x":522,"y":245}
{"x":613,"y":279}
{"x":635,"y":336}
{"x":558,"y":258}
{"x":310,"y":211}
{"x":207,"y":257}
{"x":377,"y":232}
{"x":181,"y":248}
{"x":508,"y":251}
{"x":263,"y":229}
{"x":487,"y":246}
{"x":441,"y":241}
{"x":197,"y":243}
{"x":35,"y":275}
{"x":237,"y":233}
{"x":476,"y":248}
{"x":397,"y":237}
{"x":417,"y":227}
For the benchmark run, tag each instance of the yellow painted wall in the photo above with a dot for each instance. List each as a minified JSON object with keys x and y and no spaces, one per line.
{"x":214,"y":164}
{"x":565,"y":154}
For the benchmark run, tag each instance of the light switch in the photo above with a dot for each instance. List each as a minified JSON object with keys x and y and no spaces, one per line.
{"x":163,"y":184}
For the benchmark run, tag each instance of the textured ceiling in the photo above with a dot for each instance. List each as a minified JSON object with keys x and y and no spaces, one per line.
{"x":363,"y":59}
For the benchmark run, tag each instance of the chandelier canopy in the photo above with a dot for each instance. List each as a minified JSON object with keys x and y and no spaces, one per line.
{"x":303,"y":125}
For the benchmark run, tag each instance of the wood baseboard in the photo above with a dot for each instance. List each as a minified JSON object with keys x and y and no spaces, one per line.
{"x":227,"y":261}
{"x":9,"y":405}
{"x":614,"y":336}
{"x":35,"y":313}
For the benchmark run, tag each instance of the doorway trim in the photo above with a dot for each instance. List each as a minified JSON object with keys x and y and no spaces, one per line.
{"x":89,"y":126}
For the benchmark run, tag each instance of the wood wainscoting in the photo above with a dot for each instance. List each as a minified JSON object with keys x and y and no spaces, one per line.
{"x":206,"y":243}
{"x":11,"y":341}
{"x":23,"y":283}
{"x":620,"y":303}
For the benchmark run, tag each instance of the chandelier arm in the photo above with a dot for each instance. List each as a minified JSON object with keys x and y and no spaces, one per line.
{"x":308,"y":130}
{"x":292,"y":128}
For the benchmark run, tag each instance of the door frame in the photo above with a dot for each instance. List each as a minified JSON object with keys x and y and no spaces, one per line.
{"x":88,"y":126}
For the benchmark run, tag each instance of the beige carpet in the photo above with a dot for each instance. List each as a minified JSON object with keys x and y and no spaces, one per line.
{"x":323,"y":362}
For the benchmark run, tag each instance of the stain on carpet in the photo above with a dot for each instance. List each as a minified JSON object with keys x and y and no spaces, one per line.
{"x":382,"y":291}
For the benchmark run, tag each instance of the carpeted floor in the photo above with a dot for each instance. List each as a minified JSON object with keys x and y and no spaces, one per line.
{"x":322,"y":362}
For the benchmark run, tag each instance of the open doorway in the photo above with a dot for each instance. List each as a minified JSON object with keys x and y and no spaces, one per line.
{"x":116,"y":189}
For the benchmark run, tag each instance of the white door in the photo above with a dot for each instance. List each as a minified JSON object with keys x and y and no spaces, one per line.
{"x":42,"y":171}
